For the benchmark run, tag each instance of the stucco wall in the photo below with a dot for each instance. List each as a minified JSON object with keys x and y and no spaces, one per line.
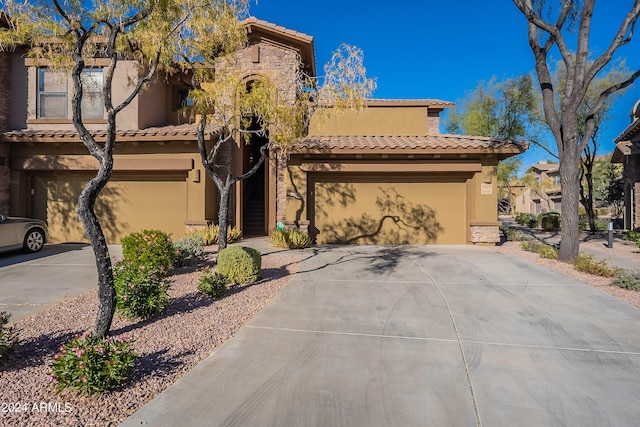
{"x":374,"y":120}
{"x":5,"y":118}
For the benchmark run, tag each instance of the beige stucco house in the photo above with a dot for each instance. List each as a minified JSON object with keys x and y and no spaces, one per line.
{"x":381,"y":175}
{"x":627,"y":152}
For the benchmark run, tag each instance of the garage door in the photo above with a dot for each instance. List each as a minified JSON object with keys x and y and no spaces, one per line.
{"x":388,"y":209}
{"x":129,"y":203}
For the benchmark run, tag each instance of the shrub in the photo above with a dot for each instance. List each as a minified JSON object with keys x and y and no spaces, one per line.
{"x":140,"y":292}
{"x":632,"y":235}
{"x":548,"y":251}
{"x":152,"y":249}
{"x":299,"y":239}
{"x":91,"y":364}
{"x":514,"y":234}
{"x":211,"y":233}
{"x":523,"y":218}
{"x":213,"y":284}
{"x":628,"y":279}
{"x":279,"y":239}
{"x":187,"y":248}
{"x":290,"y":239}
{"x":587,"y":264}
{"x":8,"y":335}
{"x":531,"y":245}
{"x":240,"y":264}
{"x":550,"y":221}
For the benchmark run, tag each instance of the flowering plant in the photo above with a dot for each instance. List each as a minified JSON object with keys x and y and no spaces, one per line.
{"x":140,"y":292}
{"x":92,"y":364}
{"x":152,"y":249}
{"x":8,"y":335}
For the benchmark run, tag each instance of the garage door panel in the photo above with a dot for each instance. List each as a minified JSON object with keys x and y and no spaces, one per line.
{"x":365,"y":210}
{"x":125,"y":205}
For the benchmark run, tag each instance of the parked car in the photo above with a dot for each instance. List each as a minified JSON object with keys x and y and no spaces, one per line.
{"x":27,"y":234}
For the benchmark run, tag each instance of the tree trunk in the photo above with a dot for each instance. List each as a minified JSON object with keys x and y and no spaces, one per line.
{"x":570,"y":186}
{"x":106,"y":289}
{"x":225,"y":190}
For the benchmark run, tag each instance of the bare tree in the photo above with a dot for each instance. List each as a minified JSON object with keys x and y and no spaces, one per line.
{"x":547,"y":31}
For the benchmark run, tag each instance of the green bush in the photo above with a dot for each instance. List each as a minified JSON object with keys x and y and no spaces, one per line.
{"x":8,"y":335}
{"x":140,"y":292}
{"x":211,"y":233}
{"x":213,"y":284}
{"x":152,"y":249}
{"x":587,"y":264}
{"x":290,"y":239}
{"x":632,"y":235}
{"x":187,"y":248}
{"x":240,"y":264}
{"x":531,"y":245}
{"x":91,"y":365}
{"x":514,"y":234}
{"x":523,"y":218}
{"x":549,"y":221}
{"x":628,"y":280}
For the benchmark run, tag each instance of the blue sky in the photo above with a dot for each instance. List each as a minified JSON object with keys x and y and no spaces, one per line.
{"x":421,"y":49}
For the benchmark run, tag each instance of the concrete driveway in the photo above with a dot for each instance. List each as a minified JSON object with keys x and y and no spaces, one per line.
{"x":419,"y":336}
{"x":30,"y":283}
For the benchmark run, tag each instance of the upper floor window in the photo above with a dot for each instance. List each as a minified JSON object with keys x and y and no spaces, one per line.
{"x":556,"y":180}
{"x":52,"y":94}
{"x":92,"y":101}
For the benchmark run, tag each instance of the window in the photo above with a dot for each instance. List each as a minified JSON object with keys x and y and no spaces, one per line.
{"x":92,"y":101}
{"x":52,"y":94}
{"x":556,"y":181}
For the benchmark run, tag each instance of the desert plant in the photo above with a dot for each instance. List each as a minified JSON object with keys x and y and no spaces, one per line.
{"x":152,"y":249}
{"x":628,"y":279}
{"x":298,"y":239}
{"x":213,"y":284}
{"x":548,"y":251}
{"x":187,"y":248}
{"x":240,"y":264}
{"x":279,"y":239}
{"x":140,"y":292}
{"x":8,"y":334}
{"x":514,"y":234}
{"x":523,"y":218}
{"x":587,"y":264}
{"x":531,"y":245}
{"x":631,"y":235}
{"x":211,"y":233}
{"x":290,"y":239}
{"x":92,"y":364}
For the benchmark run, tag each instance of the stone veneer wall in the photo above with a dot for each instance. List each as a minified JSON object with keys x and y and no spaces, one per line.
{"x":5,"y":148}
{"x":485,"y":233}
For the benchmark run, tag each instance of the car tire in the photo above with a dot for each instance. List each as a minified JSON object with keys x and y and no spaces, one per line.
{"x":33,"y":241}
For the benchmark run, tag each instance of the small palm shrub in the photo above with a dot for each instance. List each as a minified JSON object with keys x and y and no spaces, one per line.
{"x":140,"y":292}
{"x":187,"y":248}
{"x":150,"y":248}
{"x":290,"y":239}
{"x":213,"y":284}
{"x":628,"y":279}
{"x":8,"y":335}
{"x":587,"y":264}
{"x":91,"y":364}
{"x":240,"y":264}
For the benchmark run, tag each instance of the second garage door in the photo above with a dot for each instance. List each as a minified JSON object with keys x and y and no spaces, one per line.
{"x":357,"y":209}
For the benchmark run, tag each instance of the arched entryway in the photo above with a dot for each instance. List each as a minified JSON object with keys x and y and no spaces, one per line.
{"x":254,"y":190}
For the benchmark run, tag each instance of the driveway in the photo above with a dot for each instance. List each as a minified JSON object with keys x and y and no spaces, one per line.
{"x":419,"y":336}
{"x":30,"y":283}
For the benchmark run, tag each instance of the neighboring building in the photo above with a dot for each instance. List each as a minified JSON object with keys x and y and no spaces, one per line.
{"x":546,"y":194}
{"x":381,"y":175}
{"x":627,"y":152}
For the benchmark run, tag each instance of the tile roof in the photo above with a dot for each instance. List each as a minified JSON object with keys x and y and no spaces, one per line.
{"x":404,"y":143}
{"x":277,"y":28}
{"x":410,"y":102}
{"x":177,"y":132}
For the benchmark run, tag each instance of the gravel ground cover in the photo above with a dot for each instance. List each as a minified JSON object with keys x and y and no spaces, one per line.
{"x":597,"y":241}
{"x":168,"y":346}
